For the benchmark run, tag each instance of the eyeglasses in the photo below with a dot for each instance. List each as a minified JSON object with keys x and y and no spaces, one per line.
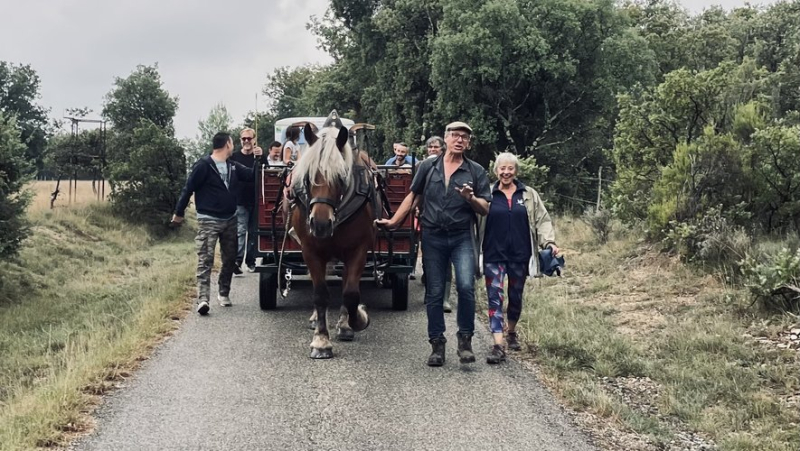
{"x":247,"y":138}
{"x":434,"y":146}
{"x":460,"y":136}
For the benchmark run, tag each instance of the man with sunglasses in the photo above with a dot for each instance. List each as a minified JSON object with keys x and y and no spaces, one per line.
{"x":245,"y":205}
{"x":454,"y":189}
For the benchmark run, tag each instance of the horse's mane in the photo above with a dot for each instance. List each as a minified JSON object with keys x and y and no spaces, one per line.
{"x":324,"y":158}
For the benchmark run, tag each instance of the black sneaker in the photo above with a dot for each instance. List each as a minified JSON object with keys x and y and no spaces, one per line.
{"x":202,"y":308}
{"x":496,"y":355}
{"x":237,"y":271}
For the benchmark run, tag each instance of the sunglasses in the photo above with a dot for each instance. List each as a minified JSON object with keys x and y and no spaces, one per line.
{"x":246,"y":138}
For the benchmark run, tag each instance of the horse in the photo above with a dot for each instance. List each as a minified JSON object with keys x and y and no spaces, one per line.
{"x":333,"y":218}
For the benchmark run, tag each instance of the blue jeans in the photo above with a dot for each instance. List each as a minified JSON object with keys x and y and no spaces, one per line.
{"x":439,"y":250}
{"x":245,"y":226}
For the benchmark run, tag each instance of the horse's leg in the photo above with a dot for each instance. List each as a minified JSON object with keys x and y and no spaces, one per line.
{"x":312,"y":320}
{"x":343,"y":330}
{"x":351,"y":295}
{"x":321,"y":347}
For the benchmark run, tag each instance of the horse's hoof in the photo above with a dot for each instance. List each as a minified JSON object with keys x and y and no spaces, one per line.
{"x":321,"y":353}
{"x":312,"y":325}
{"x":346,"y":335}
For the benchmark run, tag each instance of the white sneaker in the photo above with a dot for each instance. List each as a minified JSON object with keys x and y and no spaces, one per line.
{"x":203,"y":308}
{"x":224,"y":301}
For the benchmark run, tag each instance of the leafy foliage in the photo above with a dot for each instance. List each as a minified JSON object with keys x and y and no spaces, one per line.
{"x":14,"y":170}
{"x":775,"y":281}
{"x":140,"y":96}
{"x":148,"y":183}
{"x":19,"y":90}
{"x":218,"y":120}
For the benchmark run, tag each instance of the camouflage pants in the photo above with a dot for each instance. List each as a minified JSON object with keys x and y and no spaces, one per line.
{"x":208,"y":232}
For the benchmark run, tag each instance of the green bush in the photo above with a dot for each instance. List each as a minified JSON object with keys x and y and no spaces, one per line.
{"x":713,"y":238}
{"x":774,"y":281}
{"x":145,"y":187}
{"x":14,"y":172}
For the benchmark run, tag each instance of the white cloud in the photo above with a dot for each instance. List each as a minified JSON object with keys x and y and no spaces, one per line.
{"x":207,"y":51}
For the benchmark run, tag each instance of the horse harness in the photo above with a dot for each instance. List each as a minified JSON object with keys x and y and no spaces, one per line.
{"x":356,"y":194}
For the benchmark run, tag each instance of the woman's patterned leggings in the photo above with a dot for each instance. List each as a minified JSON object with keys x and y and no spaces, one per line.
{"x":495,"y":274}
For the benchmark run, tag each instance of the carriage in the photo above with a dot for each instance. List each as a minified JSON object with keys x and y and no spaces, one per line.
{"x":390,"y":261}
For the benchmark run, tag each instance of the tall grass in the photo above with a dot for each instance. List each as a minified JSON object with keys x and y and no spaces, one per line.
{"x":86,"y":298}
{"x":625,"y":311}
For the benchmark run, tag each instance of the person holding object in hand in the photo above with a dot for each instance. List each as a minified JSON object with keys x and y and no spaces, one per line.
{"x":215,"y":182}
{"x":453,"y":190}
{"x":517,"y":224}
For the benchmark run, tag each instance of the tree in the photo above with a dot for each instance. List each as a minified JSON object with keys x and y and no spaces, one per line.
{"x":776,"y":168}
{"x":218,"y":120}
{"x":140,"y":96}
{"x":14,"y":170}
{"x":19,"y":90}
{"x":149,"y":182}
{"x":653,"y":124}
{"x":285,"y":89}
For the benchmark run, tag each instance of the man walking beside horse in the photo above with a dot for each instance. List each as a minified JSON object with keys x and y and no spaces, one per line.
{"x":453,"y":189}
{"x":215,"y":182}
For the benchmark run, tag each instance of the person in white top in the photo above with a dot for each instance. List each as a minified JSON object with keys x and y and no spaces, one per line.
{"x":291,"y":152}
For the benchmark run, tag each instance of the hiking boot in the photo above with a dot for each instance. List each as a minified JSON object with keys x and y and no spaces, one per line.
{"x":465,"y":349}
{"x":447,"y":307}
{"x":437,"y":354}
{"x":513,"y":342}
{"x":224,"y":301}
{"x":203,"y":308}
{"x":237,"y":271}
{"x":496,"y":355}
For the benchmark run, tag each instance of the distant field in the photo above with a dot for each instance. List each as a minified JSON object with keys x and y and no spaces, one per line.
{"x":81,"y":195}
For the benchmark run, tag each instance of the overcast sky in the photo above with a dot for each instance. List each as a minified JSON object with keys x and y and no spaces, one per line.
{"x":208,"y":51}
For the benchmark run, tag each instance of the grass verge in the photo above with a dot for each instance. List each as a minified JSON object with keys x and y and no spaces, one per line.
{"x":87,"y":298}
{"x":658,"y":350}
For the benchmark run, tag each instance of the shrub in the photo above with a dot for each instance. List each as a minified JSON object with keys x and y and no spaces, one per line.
{"x":775,"y":280}
{"x":600,"y":223}
{"x":14,"y":172}
{"x":146,"y":186}
{"x":713,"y":238}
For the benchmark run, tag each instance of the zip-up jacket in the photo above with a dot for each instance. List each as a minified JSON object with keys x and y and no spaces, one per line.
{"x":542,"y":233}
{"x":211,"y":197}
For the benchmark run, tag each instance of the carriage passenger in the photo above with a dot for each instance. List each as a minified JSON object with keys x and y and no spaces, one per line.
{"x":516,"y":225}
{"x":274,"y":157}
{"x":454,"y":189}
{"x":401,"y":157}
{"x":291,"y":151}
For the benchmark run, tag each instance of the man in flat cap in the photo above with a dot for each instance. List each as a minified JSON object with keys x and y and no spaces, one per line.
{"x":452,"y":189}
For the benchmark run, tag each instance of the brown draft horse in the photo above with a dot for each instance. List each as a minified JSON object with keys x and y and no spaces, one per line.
{"x":323,"y":176}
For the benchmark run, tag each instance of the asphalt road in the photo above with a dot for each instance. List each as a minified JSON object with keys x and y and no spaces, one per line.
{"x":241,"y":379}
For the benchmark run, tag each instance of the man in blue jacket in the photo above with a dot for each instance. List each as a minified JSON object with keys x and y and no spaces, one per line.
{"x":401,"y":157}
{"x":215,"y":182}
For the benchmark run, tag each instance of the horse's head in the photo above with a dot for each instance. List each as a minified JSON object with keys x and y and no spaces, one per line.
{"x":324,"y":169}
